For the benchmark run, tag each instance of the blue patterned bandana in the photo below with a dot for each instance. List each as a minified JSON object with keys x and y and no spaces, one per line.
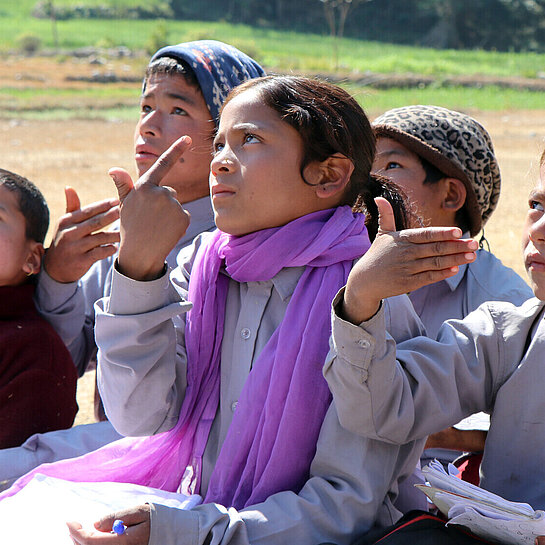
{"x":218,"y":67}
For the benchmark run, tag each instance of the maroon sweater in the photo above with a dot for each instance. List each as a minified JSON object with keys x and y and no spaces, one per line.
{"x":37,"y":375}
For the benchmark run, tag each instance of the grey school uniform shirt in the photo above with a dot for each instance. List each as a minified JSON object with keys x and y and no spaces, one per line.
{"x":142,"y":377}
{"x":493,"y":360}
{"x":485,"y":279}
{"x":69,"y":307}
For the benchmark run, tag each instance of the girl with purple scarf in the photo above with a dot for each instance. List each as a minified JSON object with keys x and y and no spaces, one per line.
{"x":230,"y":393}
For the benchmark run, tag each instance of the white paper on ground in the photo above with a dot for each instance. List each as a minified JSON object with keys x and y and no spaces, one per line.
{"x":477,"y":421}
{"x":39,"y":512}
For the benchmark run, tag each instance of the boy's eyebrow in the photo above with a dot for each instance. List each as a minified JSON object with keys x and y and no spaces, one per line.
{"x":393,"y":151}
{"x":174,"y":96}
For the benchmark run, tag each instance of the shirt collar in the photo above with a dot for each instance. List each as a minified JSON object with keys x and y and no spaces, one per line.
{"x":454,"y":281}
{"x":286,"y":280}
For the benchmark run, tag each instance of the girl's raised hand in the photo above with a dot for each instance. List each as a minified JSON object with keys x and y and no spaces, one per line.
{"x":402,"y":261}
{"x":136,"y":520}
{"x":152,"y":219}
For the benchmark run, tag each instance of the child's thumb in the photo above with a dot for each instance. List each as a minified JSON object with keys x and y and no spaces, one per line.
{"x":72,"y":199}
{"x":386,"y":218}
{"x":123,"y":182}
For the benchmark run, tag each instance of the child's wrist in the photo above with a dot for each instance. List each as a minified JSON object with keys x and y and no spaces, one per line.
{"x":358,"y":309}
{"x":138,"y":273}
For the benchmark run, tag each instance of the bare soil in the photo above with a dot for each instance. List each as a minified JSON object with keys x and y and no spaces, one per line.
{"x":79,"y":153}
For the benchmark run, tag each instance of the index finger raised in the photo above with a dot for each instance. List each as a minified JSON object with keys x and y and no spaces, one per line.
{"x":165,"y":162}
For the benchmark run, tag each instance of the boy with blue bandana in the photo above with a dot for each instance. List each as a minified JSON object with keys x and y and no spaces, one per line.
{"x":183,"y":89}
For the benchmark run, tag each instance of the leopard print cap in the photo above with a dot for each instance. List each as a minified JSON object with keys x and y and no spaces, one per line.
{"x":454,"y":143}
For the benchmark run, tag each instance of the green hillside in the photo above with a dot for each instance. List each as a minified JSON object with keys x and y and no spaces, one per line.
{"x":278,"y":51}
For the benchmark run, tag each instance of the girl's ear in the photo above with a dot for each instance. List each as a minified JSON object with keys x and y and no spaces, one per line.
{"x":455,"y":194}
{"x":33,"y":261}
{"x":330,"y":177}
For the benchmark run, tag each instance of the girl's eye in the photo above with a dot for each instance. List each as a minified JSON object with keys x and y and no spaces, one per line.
{"x":250,"y":139}
{"x":218,"y":146}
{"x":179,"y":111}
{"x":391,"y":165}
{"x":145,"y":108}
{"x":535,"y":205}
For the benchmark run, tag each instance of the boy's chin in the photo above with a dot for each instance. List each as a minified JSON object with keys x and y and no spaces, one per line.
{"x":537,"y":283}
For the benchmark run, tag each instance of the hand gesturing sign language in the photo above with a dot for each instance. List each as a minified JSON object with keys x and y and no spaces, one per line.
{"x":78,"y":240}
{"x":152,"y":219}
{"x":402,"y":261}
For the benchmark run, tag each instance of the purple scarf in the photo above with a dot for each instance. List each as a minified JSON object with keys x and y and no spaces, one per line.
{"x":272,"y":439}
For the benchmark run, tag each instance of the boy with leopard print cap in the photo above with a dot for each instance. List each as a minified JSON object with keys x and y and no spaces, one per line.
{"x":445,"y":162}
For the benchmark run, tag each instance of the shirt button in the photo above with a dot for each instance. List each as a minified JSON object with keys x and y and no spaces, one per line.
{"x":363,"y":343}
{"x":245,"y":333}
{"x":234,"y":405}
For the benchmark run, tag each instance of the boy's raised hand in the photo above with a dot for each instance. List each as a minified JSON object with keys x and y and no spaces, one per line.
{"x":152,"y":219}
{"x":77,"y":242}
{"x":402,"y":261}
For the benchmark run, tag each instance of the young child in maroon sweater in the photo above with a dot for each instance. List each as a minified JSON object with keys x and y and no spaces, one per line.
{"x":37,"y":375}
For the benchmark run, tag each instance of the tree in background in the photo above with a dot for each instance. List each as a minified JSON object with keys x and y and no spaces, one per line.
{"x":487,"y":24}
{"x":336,"y":12}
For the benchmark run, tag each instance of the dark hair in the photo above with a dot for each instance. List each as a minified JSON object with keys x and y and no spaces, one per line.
{"x":171,"y":67}
{"x":434,"y":175}
{"x":330,"y":121}
{"x":31,"y":203}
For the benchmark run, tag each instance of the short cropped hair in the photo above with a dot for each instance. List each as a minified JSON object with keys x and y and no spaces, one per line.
{"x":31,"y":203}
{"x":171,"y":67}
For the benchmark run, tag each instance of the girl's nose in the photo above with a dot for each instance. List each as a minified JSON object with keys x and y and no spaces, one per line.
{"x":222,"y":162}
{"x":536,"y":231}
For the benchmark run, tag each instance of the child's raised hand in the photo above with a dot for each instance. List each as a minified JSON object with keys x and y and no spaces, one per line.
{"x":402,"y":261}
{"x":137,"y":532}
{"x":77,"y":242}
{"x":152,"y":219}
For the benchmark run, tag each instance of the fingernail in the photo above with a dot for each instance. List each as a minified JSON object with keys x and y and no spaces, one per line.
{"x":473,"y":244}
{"x":470,"y":256}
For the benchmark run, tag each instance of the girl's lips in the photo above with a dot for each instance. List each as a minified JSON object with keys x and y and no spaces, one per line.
{"x":221,"y":191}
{"x":535,"y":262}
{"x":537,"y":266}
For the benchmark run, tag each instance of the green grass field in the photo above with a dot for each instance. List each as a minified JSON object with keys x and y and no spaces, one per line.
{"x":283,"y":52}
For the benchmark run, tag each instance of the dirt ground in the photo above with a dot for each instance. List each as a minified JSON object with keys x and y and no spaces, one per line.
{"x":79,"y":153}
